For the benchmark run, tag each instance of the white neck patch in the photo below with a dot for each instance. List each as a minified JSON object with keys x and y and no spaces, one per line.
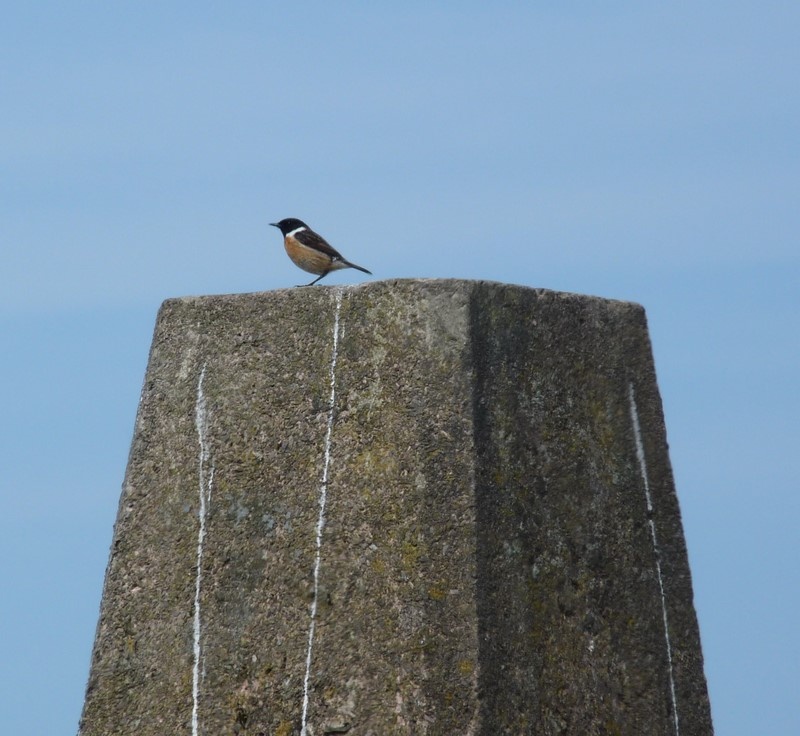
{"x":297,"y":230}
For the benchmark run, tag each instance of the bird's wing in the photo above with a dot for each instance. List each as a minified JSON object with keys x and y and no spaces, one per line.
{"x":311,"y":240}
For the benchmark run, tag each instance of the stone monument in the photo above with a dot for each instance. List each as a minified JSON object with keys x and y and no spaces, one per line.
{"x":406,"y":507}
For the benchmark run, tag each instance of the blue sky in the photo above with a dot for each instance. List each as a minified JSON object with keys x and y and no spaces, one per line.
{"x":635,"y":151}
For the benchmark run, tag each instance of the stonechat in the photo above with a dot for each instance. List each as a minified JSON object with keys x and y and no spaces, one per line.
{"x":310,"y":251}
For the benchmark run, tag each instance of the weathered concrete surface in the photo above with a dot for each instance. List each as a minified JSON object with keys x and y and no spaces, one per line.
{"x":487,"y":563}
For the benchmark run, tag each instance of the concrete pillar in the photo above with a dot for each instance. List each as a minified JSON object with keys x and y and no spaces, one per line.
{"x":407,"y":507}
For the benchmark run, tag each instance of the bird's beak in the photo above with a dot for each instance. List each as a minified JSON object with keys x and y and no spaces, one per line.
{"x":274,"y":224}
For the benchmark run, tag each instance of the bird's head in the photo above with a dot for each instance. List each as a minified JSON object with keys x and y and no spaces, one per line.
{"x":289,"y":224}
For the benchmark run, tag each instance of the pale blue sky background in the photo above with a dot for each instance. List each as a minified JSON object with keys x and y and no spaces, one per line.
{"x":635,"y":150}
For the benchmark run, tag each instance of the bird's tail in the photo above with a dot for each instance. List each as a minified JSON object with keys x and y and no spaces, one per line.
{"x":358,"y":268}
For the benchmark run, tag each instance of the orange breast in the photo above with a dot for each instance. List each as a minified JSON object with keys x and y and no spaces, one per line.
{"x":307,"y":258}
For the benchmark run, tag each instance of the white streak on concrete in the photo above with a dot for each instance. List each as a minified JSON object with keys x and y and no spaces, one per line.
{"x":206,"y":479}
{"x":323,"y":498}
{"x":637,"y":436}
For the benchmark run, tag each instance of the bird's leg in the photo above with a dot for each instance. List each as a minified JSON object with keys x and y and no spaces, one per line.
{"x":321,"y":276}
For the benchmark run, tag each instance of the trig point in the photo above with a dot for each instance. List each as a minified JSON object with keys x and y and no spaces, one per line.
{"x":408,"y":507}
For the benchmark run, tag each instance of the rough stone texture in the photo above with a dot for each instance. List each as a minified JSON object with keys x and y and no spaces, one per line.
{"x":487,"y":564}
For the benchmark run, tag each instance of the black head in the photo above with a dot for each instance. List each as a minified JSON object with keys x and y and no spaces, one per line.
{"x":289,"y":224}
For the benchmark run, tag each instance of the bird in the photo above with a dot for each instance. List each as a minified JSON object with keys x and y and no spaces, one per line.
{"x":311,"y":251}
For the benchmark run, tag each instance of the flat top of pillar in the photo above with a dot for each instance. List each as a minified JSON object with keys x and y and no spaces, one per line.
{"x":468,"y":288}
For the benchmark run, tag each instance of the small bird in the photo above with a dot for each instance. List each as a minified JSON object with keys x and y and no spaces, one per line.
{"x":310,"y":251}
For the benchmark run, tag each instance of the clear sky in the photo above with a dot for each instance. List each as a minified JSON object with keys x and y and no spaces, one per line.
{"x":633,"y":150}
